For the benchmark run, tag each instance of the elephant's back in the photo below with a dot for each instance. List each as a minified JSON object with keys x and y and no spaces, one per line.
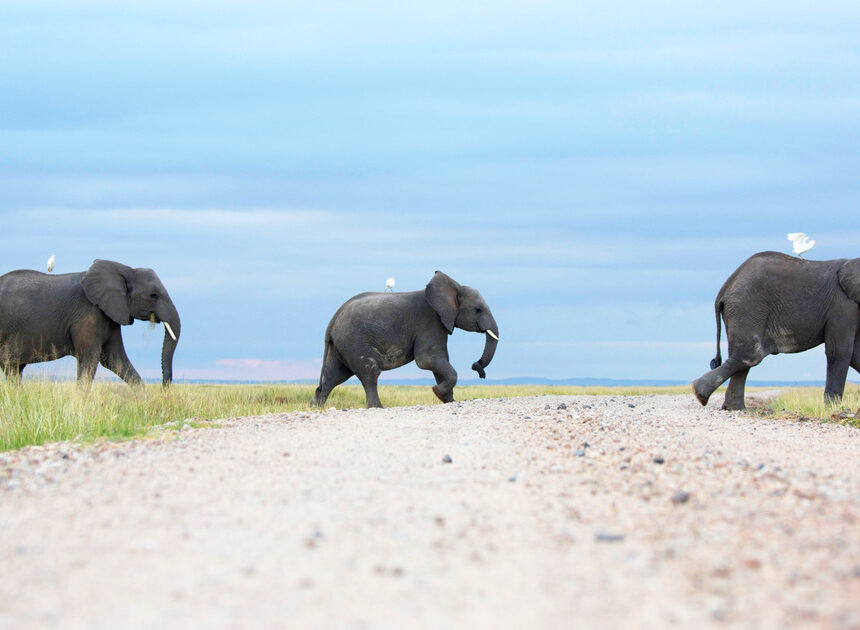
{"x":775,"y":280}
{"x":368,"y":311}
{"x":39,"y":286}
{"x":31,"y":277}
{"x":25,"y":292}
{"x":775,"y":268}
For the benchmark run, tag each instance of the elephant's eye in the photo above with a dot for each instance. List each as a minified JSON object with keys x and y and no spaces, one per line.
{"x":479,"y":310}
{"x":154,"y":296}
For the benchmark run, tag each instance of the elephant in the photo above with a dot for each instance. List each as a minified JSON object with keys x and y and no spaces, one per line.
{"x":45,"y":316}
{"x":774,"y":303}
{"x":373,"y":332}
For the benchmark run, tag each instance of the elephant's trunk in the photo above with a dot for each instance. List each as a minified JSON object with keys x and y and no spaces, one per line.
{"x":489,"y":348}
{"x":170,"y":317}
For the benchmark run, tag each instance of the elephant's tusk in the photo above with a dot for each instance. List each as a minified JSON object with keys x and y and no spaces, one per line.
{"x":169,"y":330}
{"x":492,"y":334}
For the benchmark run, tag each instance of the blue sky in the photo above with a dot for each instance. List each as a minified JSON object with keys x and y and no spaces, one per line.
{"x":595,"y":169}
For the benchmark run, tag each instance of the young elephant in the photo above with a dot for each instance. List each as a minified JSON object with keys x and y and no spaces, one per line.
{"x":381,"y":331}
{"x":44,"y":317}
{"x":775,"y":303}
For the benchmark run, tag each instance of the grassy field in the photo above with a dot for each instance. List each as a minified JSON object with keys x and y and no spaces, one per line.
{"x":807,"y":403}
{"x":38,"y":412}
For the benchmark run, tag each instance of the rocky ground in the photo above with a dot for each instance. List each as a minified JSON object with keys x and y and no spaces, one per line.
{"x":545,"y":512}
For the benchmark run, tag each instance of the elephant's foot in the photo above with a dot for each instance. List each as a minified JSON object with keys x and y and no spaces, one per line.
{"x":831,"y":398}
{"x":317,"y":400}
{"x":733,"y":405}
{"x":445,"y":397}
{"x":700,"y":396}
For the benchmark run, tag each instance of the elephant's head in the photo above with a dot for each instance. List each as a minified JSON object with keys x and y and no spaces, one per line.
{"x":125,"y":294}
{"x":465,"y":308}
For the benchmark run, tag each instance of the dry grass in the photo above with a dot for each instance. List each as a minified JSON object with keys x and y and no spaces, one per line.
{"x":807,"y":403}
{"x":38,"y":412}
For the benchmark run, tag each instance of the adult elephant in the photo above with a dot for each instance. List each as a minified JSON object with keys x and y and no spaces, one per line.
{"x":373,"y":332}
{"x":44,"y":317}
{"x":775,"y":303}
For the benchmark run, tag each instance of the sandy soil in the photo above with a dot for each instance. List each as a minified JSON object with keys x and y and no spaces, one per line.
{"x":614,"y":512}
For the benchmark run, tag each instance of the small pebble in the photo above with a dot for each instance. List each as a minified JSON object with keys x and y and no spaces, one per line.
{"x":680,"y":497}
{"x":562,"y":406}
{"x":631,"y":405}
{"x":659,"y":460}
{"x":579,"y":452}
{"x":447,"y":459}
{"x":511,"y":479}
{"x":606,"y":537}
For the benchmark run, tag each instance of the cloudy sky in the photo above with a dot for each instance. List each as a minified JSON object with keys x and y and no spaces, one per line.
{"x":595,"y":169}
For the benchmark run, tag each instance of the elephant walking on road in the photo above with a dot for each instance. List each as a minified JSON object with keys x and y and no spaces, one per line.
{"x":373,"y":332}
{"x":44,"y":317}
{"x":775,"y":303}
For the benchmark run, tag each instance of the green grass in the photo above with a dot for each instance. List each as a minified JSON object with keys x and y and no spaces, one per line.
{"x":807,"y":403}
{"x":38,"y":412}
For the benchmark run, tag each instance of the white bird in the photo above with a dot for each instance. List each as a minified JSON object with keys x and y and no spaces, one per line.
{"x":389,"y":284}
{"x":801,"y":243}
{"x":51,"y":264}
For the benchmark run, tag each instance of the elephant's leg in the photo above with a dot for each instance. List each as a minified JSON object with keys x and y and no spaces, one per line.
{"x":855,"y":357}
{"x":333,"y":374}
{"x":705,"y":385}
{"x":838,"y":362}
{"x":735,"y":391}
{"x":87,"y":366}
{"x":116,"y":360}
{"x":14,"y":372}
{"x":445,"y":374}
{"x":369,"y":376}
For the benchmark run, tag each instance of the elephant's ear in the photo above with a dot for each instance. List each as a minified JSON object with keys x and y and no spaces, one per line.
{"x":105,"y":286}
{"x":442,"y":293}
{"x":849,"y":278}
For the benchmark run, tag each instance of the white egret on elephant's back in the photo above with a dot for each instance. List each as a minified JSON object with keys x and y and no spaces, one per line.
{"x":801,"y":243}
{"x":51,"y":261}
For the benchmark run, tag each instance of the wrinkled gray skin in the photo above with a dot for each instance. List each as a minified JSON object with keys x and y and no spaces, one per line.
{"x":775,"y":303}
{"x":44,"y":317}
{"x":373,"y":332}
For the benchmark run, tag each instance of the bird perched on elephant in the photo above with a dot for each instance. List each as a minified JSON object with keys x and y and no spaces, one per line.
{"x":45,"y":317}
{"x":775,"y":304}
{"x":373,"y":332}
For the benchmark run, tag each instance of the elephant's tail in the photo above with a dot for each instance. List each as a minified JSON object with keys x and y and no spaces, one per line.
{"x":717,"y":361}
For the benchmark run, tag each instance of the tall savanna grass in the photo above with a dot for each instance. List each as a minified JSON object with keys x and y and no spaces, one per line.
{"x":808,"y":403}
{"x":36,"y":412}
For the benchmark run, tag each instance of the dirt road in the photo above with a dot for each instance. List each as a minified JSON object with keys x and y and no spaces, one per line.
{"x":614,"y":512}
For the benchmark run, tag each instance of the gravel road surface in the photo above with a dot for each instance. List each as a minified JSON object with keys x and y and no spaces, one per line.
{"x":543,"y":512}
